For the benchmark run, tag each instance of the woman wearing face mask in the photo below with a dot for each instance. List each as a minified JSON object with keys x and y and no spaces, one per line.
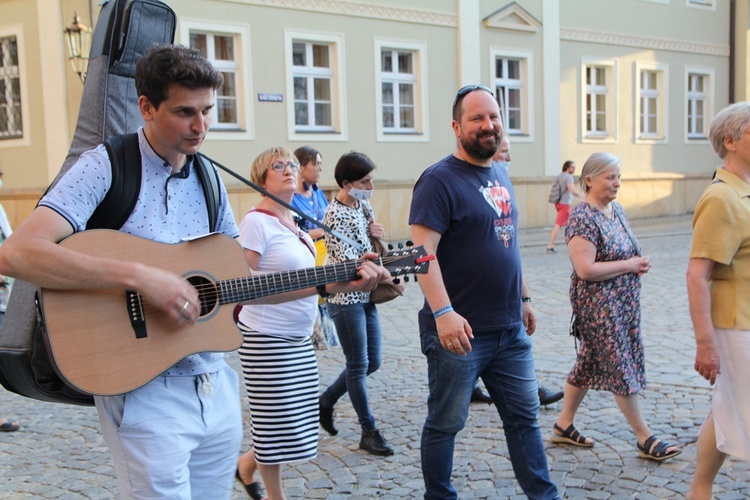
{"x":356,"y":319}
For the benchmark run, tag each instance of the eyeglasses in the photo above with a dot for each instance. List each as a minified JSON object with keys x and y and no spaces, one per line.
{"x":467,"y":89}
{"x":280,"y":166}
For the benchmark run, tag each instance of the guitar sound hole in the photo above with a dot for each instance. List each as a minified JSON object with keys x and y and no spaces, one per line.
{"x":207,"y":294}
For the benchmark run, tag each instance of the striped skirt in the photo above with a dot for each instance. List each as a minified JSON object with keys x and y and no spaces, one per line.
{"x":281,"y":377}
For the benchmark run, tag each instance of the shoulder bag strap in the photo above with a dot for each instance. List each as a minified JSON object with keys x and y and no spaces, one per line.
{"x":627,"y":230}
{"x":209,"y":179}
{"x":296,"y":230}
{"x":119,"y":202}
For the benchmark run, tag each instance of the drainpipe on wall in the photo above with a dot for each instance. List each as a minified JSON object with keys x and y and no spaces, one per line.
{"x":732,"y":21}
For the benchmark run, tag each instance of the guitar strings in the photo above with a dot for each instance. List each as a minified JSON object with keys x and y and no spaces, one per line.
{"x":318,"y":271}
{"x":284,"y":286}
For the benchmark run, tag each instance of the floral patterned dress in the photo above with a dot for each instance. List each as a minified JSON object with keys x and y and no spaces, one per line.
{"x":608,"y":313}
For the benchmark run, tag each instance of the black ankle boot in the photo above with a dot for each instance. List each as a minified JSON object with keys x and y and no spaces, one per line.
{"x":374,"y":442}
{"x":326,"y":418}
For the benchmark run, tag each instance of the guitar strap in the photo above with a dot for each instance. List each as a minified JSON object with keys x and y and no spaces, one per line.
{"x":284,"y":204}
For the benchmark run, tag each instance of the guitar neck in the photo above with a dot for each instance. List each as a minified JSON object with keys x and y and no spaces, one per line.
{"x":262,"y":285}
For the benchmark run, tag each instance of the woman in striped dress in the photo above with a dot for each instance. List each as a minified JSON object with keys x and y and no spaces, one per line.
{"x":278,"y":362}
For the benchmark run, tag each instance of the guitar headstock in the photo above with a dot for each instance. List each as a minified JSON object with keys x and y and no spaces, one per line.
{"x":407,"y":260}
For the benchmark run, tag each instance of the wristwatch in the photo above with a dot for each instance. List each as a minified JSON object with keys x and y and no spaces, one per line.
{"x":525,"y":299}
{"x":322,"y":291}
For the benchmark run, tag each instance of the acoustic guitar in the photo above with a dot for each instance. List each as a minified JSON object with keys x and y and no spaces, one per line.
{"x":107,"y":342}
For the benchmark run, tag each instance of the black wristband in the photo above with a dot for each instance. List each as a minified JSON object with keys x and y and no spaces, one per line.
{"x":525,"y":299}
{"x":322,"y":291}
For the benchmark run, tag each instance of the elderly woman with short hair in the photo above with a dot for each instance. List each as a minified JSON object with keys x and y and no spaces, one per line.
{"x":605,"y":297}
{"x":718,"y":283}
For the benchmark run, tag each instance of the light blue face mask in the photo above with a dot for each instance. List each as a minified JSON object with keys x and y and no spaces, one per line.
{"x":360,"y":194}
{"x":505,"y":164}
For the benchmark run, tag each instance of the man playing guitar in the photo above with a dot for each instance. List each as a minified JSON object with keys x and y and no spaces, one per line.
{"x":179,"y":435}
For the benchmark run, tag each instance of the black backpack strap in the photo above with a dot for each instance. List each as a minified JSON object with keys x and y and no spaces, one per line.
{"x":209,"y":178}
{"x":119,"y":202}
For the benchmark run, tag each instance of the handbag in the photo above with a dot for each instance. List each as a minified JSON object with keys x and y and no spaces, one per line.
{"x":385,"y":291}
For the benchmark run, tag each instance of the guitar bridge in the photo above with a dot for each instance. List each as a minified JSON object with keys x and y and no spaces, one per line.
{"x":135,"y":313}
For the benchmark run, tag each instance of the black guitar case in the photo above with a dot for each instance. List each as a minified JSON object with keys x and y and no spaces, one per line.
{"x":109,"y":107}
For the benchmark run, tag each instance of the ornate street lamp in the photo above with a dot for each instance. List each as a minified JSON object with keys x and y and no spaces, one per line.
{"x":78,"y":37}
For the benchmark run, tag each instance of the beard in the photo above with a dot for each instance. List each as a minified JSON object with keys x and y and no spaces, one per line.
{"x":481,"y":149}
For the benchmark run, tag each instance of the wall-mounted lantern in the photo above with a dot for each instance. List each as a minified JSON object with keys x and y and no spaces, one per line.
{"x":78,"y":38}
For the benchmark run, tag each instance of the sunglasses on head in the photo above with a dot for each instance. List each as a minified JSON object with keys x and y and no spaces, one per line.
{"x":467,"y":89}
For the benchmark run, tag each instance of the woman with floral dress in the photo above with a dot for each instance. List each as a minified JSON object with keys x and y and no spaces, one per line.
{"x":605,"y":297}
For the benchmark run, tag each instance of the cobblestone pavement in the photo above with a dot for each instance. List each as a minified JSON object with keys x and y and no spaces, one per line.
{"x":59,"y":453}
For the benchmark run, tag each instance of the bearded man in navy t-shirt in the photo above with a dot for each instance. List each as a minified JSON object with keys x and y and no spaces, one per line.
{"x":477,"y":318}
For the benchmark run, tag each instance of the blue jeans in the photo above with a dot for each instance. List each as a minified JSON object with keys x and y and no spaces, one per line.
{"x":358,"y":328}
{"x":504,"y":361}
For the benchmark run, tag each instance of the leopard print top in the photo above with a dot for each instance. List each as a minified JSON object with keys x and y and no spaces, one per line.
{"x":352,"y":223}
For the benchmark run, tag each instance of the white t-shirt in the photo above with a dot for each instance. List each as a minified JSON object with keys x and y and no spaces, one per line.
{"x":281,"y":249}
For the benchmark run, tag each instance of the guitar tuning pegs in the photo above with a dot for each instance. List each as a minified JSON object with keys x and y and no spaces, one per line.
{"x":400,"y":245}
{"x":396,"y":281}
{"x":416,"y":278}
{"x":406,"y":279}
{"x":390,"y":246}
{"x":409,"y":243}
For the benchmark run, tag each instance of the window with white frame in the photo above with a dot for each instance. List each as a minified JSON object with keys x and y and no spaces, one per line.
{"x":508,"y":89}
{"x":596,"y":100}
{"x":316,"y":108}
{"x":649,"y":112}
{"x":221,"y":50}
{"x":400,"y":87}
{"x":11,"y":121}
{"x":651,"y":102}
{"x":513,"y":89}
{"x":698,"y":103}
{"x":226,"y":45}
{"x":313,"y":86}
{"x":599,"y":101}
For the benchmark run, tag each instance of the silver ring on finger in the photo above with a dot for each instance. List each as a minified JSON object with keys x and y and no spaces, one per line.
{"x":185,"y":307}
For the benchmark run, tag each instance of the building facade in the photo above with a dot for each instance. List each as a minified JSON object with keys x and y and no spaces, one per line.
{"x":637,"y":78}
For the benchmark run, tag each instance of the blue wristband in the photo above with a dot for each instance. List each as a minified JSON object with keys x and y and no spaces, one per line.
{"x":442,"y":311}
